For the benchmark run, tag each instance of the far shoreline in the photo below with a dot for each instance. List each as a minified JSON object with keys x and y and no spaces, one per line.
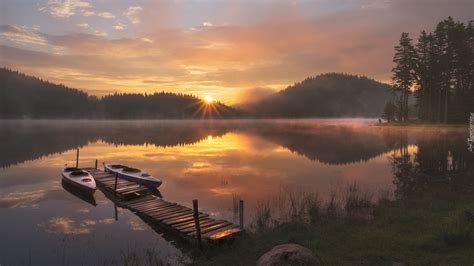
{"x":421,"y":124}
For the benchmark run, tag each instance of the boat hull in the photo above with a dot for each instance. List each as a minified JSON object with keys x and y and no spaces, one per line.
{"x":148,"y":183}
{"x":130,"y":177}
{"x":86,"y":189}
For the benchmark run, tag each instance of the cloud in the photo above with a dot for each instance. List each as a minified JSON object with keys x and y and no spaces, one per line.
{"x":65,"y":225}
{"x":100,"y":33}
{"x":119,"y":26}
{"x":21,"y":35}
{"x":106,"y":15}
{"x":87,"y":13}
{"x":376,"y":4}
{"x":133,"y":13}
{"x":148,"y":40}
{"x":64,"y":8}
{"x":83,"y":25}
{"x":245,"y":46}
{"x":22,"y":199}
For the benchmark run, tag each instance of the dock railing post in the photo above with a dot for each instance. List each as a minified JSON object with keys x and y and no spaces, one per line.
{"x":77,"y":158}
{"x":115,"y":188}
{"x":96,"y":164}
{"x":241,"y":213}
{"x":196,"y":221}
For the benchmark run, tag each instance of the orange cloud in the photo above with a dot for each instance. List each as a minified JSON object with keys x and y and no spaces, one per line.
{"x":263,"y":46}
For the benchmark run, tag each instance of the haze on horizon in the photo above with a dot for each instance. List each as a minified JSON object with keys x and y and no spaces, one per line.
{"x":221,"y":49}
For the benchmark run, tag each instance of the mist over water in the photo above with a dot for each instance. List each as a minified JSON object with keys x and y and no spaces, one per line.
{"x":213,"y":161}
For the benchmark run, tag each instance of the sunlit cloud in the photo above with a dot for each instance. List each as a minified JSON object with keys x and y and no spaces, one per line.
{"x":106,"y":15}
{"x":67,"y":226}
{"x":207,"y":24}
{"x":22,"y":199}
{"x":119,"y":26}
{"x":148,"y":40}
{"x":158,"y":46}
{"x":83,"y":25}
{"x":133,"y":13}
{"x":21,"y":35}
{"x":100,"y":33}
{"x":64,"y":8}
{"x":87,"y":13}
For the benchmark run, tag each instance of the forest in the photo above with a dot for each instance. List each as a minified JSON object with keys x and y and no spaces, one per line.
{"x":326,"y":95}
{"x":439,"y":70}
{"x":23,"y":96}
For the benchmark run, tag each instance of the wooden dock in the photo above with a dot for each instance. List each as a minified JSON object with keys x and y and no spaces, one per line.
{"x":186,"y":222}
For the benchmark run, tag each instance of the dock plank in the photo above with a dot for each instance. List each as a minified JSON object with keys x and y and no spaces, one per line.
{"x":180,"y":219}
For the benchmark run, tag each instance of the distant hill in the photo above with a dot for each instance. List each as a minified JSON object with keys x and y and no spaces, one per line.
{"x":326,"y":95}
{"x":23,"y":96}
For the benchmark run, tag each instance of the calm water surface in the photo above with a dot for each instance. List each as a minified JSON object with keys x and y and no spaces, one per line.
{"x":216,"y":162}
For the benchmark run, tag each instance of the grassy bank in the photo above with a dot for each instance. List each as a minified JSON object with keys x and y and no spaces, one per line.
{"x":422,"y":124}
{"x":434,"y":228}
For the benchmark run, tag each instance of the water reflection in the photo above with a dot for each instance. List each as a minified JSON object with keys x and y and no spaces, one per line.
{"x":329,"y":143}
{"x":87,"y":197}
{"x":438,"y":160}
{"x":215,"y":162}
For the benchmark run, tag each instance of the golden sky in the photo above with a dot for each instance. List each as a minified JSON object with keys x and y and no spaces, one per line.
{"x":224,"y":49}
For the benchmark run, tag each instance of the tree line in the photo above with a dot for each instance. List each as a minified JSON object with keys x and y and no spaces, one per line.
{"x":438,"y":70}
{"x":23,"y":96}
{"x":325,"y":95}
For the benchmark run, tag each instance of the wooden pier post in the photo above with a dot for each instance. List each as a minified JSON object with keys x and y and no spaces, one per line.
{"x":95,"y":163}
{"x":241,"y":213}
{"x":77,"y":158}
{"x":196,"y":221}
{"x":115,"y":187}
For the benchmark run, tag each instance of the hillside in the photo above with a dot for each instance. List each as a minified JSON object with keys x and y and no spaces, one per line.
{"x":23,"y":96}
{"x":326,"y":95}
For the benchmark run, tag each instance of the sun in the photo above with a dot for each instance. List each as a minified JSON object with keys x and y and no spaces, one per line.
{"x":208,"y":99}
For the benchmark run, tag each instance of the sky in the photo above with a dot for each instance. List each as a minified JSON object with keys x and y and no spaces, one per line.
{"x":229,"y":50}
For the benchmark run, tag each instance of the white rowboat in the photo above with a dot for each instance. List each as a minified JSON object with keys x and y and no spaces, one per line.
{"x":132,"y":174}
{"x":80,"y":179}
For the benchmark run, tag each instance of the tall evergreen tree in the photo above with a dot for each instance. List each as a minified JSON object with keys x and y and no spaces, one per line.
{"x":444,"y":72}
{"x":404,"y":73}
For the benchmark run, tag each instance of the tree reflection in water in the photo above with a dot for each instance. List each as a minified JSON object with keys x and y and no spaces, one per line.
{"x":439,"y":160}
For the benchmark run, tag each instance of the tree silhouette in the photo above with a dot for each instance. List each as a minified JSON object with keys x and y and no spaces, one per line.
{"x":443,"y":72}
{"x":403,"y":73}
{"x":23,"y":96}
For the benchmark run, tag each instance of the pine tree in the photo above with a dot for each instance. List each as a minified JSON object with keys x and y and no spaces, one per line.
{"x":404,"y":73}
{"x":389,"y":112}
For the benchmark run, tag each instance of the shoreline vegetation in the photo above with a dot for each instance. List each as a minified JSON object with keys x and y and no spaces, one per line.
{"x":430,"y":227}
{"x":423,"y":228}
{"x":422,"y":124}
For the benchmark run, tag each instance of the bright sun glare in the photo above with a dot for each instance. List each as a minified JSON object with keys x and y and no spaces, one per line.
{"x":208,"y":99}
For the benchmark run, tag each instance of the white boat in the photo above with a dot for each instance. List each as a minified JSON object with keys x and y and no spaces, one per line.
{"x":80,"y":179}
{"x":132,"y":174}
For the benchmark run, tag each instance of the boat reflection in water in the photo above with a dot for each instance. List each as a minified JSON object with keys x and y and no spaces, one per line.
{"x":87,"y":197}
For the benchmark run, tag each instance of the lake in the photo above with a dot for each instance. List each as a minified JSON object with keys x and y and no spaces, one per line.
{"x":215,"y":162}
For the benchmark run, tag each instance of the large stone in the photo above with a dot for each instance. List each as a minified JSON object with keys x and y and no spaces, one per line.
{"x":288,"y":254}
